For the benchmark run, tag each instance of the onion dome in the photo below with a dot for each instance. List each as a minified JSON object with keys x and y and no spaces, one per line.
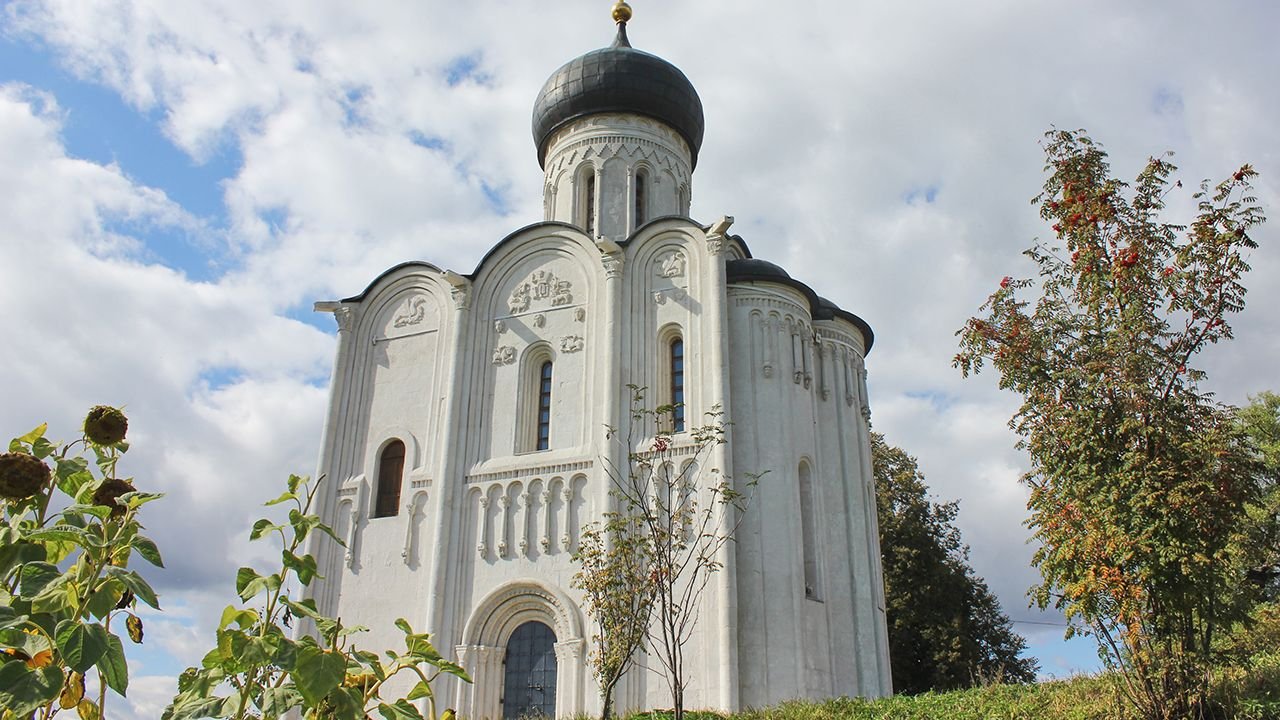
{"x":618,"y":79}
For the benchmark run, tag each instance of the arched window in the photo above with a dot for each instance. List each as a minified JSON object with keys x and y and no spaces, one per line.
{"x":390,"y":472}
{"x":642,"y":199}
{"x":677,"y":384}
{"x":809,"y":535}
{"x":589,"y":203}
{"x":544,"y":407}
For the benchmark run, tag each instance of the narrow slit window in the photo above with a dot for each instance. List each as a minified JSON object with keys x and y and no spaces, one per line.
{"x":677,"y":385}
{"x":642,"y":181}
{"x":544,"y":408}
{"x":589,"y":204}
{"x":812,"y":580}
{"x":390,"y":472}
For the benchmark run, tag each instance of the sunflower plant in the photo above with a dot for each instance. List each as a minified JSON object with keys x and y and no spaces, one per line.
{"x":67,"y":595}
{"x":261,"y":668}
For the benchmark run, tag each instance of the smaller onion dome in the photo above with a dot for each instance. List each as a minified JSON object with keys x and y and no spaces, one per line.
{"x":618,"y":79}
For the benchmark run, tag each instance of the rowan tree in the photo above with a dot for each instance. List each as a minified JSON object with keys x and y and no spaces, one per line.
{"x":1138,"y":478}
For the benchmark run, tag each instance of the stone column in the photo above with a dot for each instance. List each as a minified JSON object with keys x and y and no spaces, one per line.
{"x":717,"y":323}
{"x":449,"y":477}
{"x":328,"y":464}
{"x":569,"y":666}
{"x":614,"y":395}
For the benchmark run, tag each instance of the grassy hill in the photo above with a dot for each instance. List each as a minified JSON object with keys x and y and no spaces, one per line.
{"x":1243,"y":694}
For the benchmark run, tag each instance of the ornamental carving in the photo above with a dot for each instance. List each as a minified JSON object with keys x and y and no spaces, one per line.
{"x":412,"y":312}
{"x":541,"y":285}
{"x":504,"y":355}
{"x":672,"y":266}
{"x":345,"y":317}
{"x":571,"y":344}
{"x":499,"y":326}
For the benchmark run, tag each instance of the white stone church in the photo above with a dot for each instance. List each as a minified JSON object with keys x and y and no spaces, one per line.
{"x":465,"y":444}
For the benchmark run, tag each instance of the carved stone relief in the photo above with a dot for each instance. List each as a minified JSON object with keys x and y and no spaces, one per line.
{"x":504,"y":355}
{"x":412,"y":312}
{"x":541,"y":285}
{"x":571,"y":344}
{"x":672,"y":266}
{"x":499,"y":326}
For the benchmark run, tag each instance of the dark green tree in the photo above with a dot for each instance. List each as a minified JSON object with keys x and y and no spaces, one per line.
{"x":946,"y":629}
{"x":1260,"y":420}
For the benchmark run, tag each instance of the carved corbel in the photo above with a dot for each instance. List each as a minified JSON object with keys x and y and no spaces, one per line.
{"x":611,"y":256}
{"x":717,"y":235}
{"x":461,"y":291}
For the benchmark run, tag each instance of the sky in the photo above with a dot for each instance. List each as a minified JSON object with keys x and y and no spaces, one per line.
{"x":180,"y":180}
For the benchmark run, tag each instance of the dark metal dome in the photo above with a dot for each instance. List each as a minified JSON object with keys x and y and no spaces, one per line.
{"x":622,"y":79}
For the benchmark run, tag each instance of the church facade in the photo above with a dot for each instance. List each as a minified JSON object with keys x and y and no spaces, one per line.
{"x":465,"y":445}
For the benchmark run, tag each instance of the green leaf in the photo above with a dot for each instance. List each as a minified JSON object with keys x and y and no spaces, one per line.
{"x":80,"y":644}
{"x":329,"y":531}
{"x":58,"y":533}
{"x":193,"y":707}
{"x":113,"y":667}
{"x":304,"y":567}
{"x":105,"y":598}
{"x":249,"y":583}
{"x":55,"y":597}
{"x":72,"y":474}
{"x":262,"y":528}
{"x":286,"y":497}
{"x":137,"y":498}
{"x":453,"y":669}
{"x":35,"y":434}
{"x":232,"y":614}
{"x":146,"y":547}
{"x":302,"y":524}
{"x":421,"y":690}
{"x":278,"y":701}
{"x":318,"y":672}
{"x":401,"y":710}
{"x":134,"y":582}
{"x":36,"y":577}
{"x":23,"y":690}
{"x":305,"y":608}
{"x":13,"y":554}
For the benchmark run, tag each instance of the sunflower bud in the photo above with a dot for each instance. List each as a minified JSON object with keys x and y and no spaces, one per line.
{"x":21,"y":475}
{"x":105,"y":425}
{"x":108,"y":492}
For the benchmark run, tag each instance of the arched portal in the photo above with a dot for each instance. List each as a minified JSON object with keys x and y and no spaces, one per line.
{"x":516,"y":623}
{"x":529,"y":682}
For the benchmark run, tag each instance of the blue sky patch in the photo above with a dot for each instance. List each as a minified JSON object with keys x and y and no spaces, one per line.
{"x":466,"y":68}
{"x":423,"y":140}
{"x":99,"y":126}
{"x":497,"y":198}
{"x":939,"y":400}
{"x":1167,"y":101}
{"x":917,"y":195}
